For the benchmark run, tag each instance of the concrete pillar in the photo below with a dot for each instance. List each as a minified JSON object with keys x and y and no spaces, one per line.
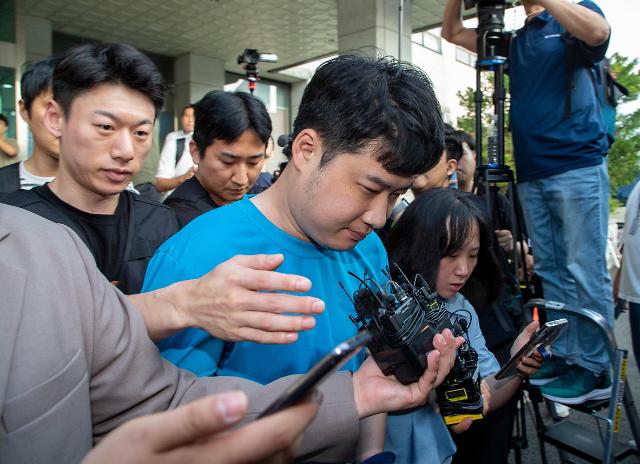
{"x":22,"y":128}
{"x":32,"y":43}
{"x":372,"y":26}
{"x":194,"y":76}
{"x":297,"y":89}
{"x":38,"y":38}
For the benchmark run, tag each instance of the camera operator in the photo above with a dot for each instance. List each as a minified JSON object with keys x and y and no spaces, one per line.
{"x":560,"y":144}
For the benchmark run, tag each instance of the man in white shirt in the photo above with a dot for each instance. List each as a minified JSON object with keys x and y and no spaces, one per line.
{"x":42,"y":166}
{"x":626,"y":285}
{"x":176,"y":164}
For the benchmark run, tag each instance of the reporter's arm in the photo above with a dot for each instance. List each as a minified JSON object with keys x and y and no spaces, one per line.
{"x":164,"y":184}
{"x":579,"y":21}
{"x":453,"y":29}
{"x":8,"y":148}
{"x":372,"y":434}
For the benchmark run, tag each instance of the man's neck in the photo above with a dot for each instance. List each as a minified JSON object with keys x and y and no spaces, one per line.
{"x":532,"y":10}
{"x":42,"y":165}
{"x":274,"y":204}
{"x":77,"y":196}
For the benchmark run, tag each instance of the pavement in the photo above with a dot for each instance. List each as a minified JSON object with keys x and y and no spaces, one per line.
{"x":532,"y":455}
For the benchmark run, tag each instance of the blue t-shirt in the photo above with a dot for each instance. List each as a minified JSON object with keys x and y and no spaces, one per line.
{"x":546,"y":141}
{"x":422,"y":435}
{"x":240,"y":228}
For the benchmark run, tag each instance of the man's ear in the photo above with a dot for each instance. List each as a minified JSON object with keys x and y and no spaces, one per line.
{"x":452,"y":165}
{"x":195,"y":153}
{"x":23,"y":112}
{"x":306,"y":149}
{"x":54,"y":119}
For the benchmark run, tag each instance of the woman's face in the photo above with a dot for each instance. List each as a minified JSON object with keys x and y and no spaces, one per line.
{"x":454,"y":270}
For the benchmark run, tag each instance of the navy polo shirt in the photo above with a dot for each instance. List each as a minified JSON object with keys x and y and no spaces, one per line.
{"x":547,"y":141}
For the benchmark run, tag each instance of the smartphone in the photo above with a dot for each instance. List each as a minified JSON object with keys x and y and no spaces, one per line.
{"x":332,"y":361}
{"x":544,"y":336}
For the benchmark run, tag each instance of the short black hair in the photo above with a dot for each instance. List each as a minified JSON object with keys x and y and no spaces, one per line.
{"x":85,"y":66}
{"x":36,"y":80}
{"x":468,"y":139}
{"x":355,"y":100}
{"x":452,"y":143}
{"x":4,"y":119}
{"x":438,"y":224}
{"x":226,"y":116}
{"x":186,"y":108}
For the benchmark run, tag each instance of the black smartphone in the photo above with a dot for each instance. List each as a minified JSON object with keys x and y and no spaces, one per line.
{"x":332,"y":361}
{"x":544,"y":336}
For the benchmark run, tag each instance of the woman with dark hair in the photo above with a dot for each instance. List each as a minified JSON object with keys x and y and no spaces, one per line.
{"x":445,"y":236}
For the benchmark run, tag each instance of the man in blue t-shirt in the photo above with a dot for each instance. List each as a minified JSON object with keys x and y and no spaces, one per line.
{"x":560,"y":143}
{"x":364,"y":129}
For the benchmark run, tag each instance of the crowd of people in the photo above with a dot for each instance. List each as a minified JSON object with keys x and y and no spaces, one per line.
{"x":158,"y":320}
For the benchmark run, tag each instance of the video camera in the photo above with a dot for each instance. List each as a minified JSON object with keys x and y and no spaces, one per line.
{"x":402,"y":318}
{"x":492,"y":39}
{"x":250,"y":58}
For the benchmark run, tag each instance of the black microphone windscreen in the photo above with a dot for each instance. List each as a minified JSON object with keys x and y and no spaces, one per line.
{"x":283,"y":140}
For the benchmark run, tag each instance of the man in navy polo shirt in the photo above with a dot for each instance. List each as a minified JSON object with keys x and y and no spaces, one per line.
{"x":560,"y":144}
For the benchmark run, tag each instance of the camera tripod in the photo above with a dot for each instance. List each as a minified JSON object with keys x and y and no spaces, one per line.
{"x":492,"y":50}
{"x":492,"y":47}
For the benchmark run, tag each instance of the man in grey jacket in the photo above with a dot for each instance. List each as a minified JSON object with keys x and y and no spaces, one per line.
{"x":76,"y":363}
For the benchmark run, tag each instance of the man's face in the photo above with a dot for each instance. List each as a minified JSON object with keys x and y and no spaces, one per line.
{"x":43,"y":140}
{"x":466,"y":164}
{"x":438,"y":176}
{"x":228,"y":170}
{"x":339,"y":204}
{"x":3,"y":127}
{"x":188,"y":120}
{"x":104,"y":138}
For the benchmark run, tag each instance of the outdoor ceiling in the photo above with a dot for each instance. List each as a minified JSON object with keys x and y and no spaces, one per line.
{"x":296,"y":30}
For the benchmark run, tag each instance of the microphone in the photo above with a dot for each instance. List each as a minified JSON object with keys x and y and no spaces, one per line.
{"x":284,"y":140}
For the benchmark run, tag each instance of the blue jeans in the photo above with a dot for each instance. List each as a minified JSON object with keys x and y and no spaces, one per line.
{"x":567,"y":218}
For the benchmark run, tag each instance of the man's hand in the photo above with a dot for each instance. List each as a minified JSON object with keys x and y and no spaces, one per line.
{"x":505,"y":239}
{"x":196,"y":433}
{"x":237,"y":301}
{"x":374,"y":392}
{"x":189,"y":174}
{"x":531,"y":364}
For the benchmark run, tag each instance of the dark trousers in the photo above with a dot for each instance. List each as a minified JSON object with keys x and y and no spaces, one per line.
{"x":487,"y":441}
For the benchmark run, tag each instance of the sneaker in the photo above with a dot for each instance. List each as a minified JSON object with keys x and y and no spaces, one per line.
{"x":561,"y":410}
{"x":578,"y":385}
{"x":550,"y":371}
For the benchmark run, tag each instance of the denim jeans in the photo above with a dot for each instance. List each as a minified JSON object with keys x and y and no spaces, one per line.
{"x":567,"y":220}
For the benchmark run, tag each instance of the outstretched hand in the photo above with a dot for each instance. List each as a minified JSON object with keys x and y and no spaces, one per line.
{"x":239,"y":301}
{"x":375,"y":392}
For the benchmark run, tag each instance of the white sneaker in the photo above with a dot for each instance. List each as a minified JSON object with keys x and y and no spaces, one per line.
{"x":561,"y":410}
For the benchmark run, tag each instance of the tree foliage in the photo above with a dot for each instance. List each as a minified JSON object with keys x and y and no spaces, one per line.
{"x":624,"y":155}
{"x":467,"y":122}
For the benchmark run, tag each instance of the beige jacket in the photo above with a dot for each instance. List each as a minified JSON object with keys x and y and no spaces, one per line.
{"x":76,"y":362}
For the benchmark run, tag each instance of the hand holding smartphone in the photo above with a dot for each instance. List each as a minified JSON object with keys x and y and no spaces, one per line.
{"x":544,"y":336}
{"x":332,"y":361}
